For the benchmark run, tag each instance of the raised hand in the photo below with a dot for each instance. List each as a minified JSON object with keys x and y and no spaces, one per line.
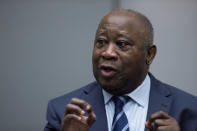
{"x":160,"y":121}
{"x":74,"y":116}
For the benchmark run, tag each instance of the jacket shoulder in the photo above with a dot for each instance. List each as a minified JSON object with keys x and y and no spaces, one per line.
{"x":183,"y":98}
{"x":179,"y":97}
{"x":65,"y":99}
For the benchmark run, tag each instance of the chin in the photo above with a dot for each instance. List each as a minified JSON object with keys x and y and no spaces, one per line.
{"x":116,"y":87}
{"x":112,"y":87}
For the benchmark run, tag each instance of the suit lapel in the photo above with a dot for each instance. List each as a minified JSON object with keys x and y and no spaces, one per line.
{"x":159,"y":99}
{"x":94,"y":97}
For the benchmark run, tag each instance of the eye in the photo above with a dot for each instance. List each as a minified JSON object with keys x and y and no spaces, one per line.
{"x":101,"y":42}
{"x":122,"y":44}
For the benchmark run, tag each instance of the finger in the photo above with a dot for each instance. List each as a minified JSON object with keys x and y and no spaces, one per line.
{"x":169,"y":124}
{"x":81,"y":103}
{"x":164,"y":122}
{"x":158,"y":115}
{"x":91,"y":118}
{"x":89,"y":109}
{"x":154,"y":126}
{"x":85,"y":106}
{"x":148,"y":125}
{"x":151,"y":126}
{"x":163,"y":128}
{"x":73,"y":109}
{"x":168,"y":128}
{"x":160,"y":122}
{"x":71,"y":118}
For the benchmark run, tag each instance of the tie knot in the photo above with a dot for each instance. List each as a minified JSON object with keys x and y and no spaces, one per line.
{"x":120,"y":101}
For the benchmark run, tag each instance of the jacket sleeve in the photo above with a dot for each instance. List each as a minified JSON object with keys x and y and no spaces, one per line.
{"x":189,"y":120}
{"x":53,"y":121}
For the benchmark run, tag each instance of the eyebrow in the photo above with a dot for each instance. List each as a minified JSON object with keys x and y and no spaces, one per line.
{"x":101,"y":32}
{"x":120,"y":34}
{"x":124,"y":34}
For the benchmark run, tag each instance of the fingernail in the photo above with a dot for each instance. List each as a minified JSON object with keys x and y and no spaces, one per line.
{"x":82,"y":112}
{"x":79,"y":118}
{"x":87,"y":107}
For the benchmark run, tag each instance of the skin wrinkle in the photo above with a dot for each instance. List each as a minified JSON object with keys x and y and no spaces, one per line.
{"x":122,"y":33}
{"x":119,"y":67}
{"x":132,"y":65}
{"x":141,"y":20}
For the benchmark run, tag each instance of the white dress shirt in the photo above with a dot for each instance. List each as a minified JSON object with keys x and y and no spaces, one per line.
{"x":135,"y":109}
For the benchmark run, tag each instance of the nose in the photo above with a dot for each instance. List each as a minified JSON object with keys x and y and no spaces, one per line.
{"x":110,"y":53}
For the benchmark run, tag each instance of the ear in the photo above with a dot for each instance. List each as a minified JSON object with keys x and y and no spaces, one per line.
{"x":151,"y":52}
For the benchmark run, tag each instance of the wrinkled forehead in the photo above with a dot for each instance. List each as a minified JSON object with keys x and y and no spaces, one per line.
{"x":122,"y":21}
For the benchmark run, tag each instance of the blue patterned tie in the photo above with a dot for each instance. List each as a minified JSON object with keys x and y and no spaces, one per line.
{"x":120,"y":122}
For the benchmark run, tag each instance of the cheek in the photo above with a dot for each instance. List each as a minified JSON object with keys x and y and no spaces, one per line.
{"x":95,"y":59}
{"x":132,"y":62}
{"x":96,"y":55}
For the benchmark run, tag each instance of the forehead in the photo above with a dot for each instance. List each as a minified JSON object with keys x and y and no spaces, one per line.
{"x":123,"y":23}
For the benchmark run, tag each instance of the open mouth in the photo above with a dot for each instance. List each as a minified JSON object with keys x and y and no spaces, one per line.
{"x":107,"y":68}
{"x":107,"y":71}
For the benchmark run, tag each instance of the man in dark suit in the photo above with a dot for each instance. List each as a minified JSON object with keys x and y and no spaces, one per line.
{"x":123,"y":51}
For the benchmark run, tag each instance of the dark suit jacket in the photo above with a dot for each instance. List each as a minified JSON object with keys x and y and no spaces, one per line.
{"x":178,"y":104}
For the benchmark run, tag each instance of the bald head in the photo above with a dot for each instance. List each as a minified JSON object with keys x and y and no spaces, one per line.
{"x":141,"y":23}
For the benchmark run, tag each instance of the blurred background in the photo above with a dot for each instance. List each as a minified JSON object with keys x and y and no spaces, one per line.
{"x":46,"y":48}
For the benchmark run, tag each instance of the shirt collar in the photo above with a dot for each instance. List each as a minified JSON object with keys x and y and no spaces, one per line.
{"x":140,"y":95}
